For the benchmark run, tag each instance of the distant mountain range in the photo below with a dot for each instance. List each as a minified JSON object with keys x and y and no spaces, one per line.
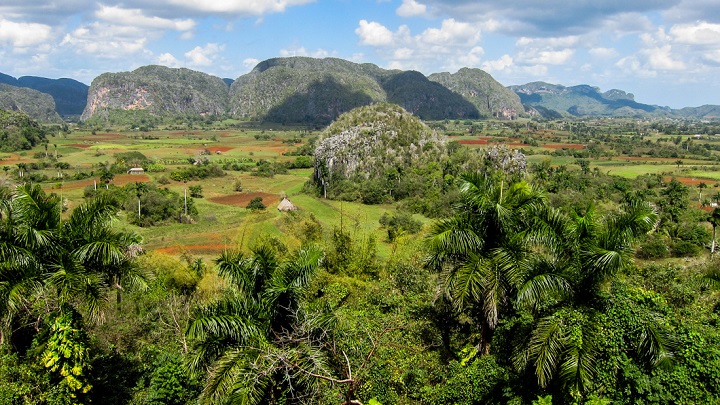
{"x":316,"y":91}
{"x":70,"y":96}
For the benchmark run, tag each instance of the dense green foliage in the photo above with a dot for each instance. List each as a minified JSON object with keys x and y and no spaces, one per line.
{"x":18,"y":132}
{"x":39,"y":106}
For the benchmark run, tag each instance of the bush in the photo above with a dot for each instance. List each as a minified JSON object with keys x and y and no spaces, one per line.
{"x":196,"y":191}
{"x":256,"y":204}
{"x":685,"y":249}
{"x":399,"y":223}
{"x":653,"y":248}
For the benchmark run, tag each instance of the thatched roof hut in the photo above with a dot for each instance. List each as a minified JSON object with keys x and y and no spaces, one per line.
{"x":286,"y":205}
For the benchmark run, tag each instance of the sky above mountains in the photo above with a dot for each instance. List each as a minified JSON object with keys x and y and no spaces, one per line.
{"x":666,"y":52}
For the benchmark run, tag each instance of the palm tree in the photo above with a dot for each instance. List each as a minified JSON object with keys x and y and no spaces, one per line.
{"x":714,"y":220}
{"x":592,"y":250}
{"x":55,"y":262}
{"x":246,"y":340}
{"x":480,"y":249}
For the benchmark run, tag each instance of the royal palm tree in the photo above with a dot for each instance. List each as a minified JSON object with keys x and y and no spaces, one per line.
{"x":714,"y":220}
{"x":245,"y":339}
{"x":592,"y":250}
{"x":481,"y":248}
{"x":74,"y":262}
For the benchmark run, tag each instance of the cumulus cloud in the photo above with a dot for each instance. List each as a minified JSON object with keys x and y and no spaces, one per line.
{"x":540,"y":18}
{"x":546,"y":51}
{"x":108,"y":42}
{"x":452,"y":45}
{"x":698,"y":33}
{"x":411,"y":8}
{"x":301,"y":51}
{"x":236,"y":7}
{"x":603,"y":52}
{"x":204,"y":55}
{"x":374,"y":34}
{"x":452,"y":32}
{"x":250,"y":63}
{"x":167,"y":59}
{"x":137,"y":18}
{"x":502,"y":63}
{"x":22,"y":35}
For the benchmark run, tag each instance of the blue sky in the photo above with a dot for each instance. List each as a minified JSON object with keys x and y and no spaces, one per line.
{"x":665,"y":52}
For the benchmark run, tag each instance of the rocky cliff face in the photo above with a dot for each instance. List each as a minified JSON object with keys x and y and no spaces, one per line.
{"x":38,"y":106}
{"x":160,"y":90}
{"x":491,"y":98}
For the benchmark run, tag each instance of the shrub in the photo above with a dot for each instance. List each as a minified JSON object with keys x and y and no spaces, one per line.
{"x":685,"y":249}
{"x":653,"y":248}
{"x":256,"y":204}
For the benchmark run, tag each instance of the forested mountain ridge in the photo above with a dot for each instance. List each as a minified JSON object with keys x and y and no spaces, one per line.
{"x":37,"y":105}
{"x":70,"y":95}
{"x":490,"y":97}
{"x":316,"y":91}
{"x":311,"y":90}
{"x":583,"y":100}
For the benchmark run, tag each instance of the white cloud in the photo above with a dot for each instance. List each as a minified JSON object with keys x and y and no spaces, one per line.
{"x":204,"y":56}
{"x":546,"y":57}
{"x":237,"y":7}
{"x":374,"y":34}
{"x":250,"y":63}
{"x":546,"y":51}
{"x":502,"y":63}
{"x":301,"y":51}
{"x":22,"y":35}
{"x":699,"y":33}
{"x":403,"y":53}
{"x":603,"y":53}
{"x":108,"y":42}
{"x":451,"y":32}
{"x":661,"y":58}
{"x":136,"y":18}
{"x":411,"y":8}
{"x":167,"y":59}
{"x":452,"y":45}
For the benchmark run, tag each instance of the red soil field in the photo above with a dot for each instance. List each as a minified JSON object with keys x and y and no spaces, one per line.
{"x":690,"y":181}
{"x":14,"y":158}
{"x":242,"y":199}
{"x":119,"y":180}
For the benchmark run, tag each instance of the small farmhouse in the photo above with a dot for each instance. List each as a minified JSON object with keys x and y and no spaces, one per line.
{"x":136,"y":170}
{"x":286,"y":205}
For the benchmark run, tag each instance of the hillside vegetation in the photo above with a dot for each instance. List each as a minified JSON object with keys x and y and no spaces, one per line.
{"x":19,"y":132}
{"x":38,"y":105}
{"x":490,"y":97}
{"x":582,"y":101}
{"x":158,"y":90}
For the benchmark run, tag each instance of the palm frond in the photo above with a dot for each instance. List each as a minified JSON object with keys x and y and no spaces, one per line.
{"x":546,"y":348}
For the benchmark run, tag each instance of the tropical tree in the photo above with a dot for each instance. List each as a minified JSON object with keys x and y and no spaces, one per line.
{"x":479,"y":250}
{"x":255,"y":341}
{"x":714,"y":220}
{"x":47,"y":262}
{"x":589,"y":250}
